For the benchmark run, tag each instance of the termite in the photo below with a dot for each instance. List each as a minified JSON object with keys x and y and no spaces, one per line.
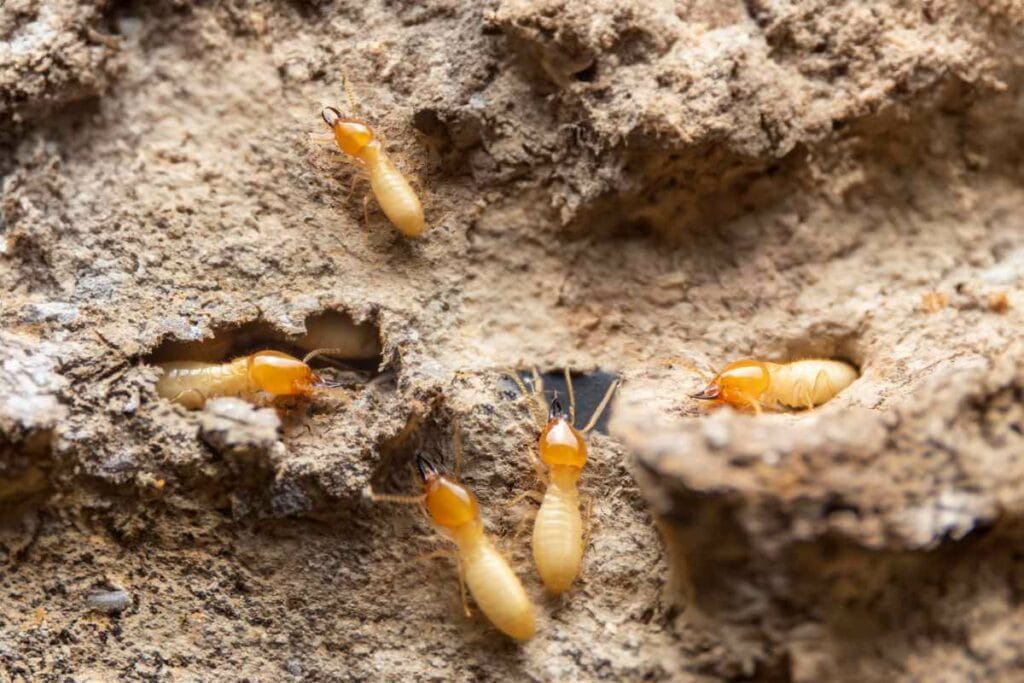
{"x":393,"y":192}
{"x":455,"y":513}
{"x":558,"y":528}
{"x":191,"y":383}
{"x":801,"y":384}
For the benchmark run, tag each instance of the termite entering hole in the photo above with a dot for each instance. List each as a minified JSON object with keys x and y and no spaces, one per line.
{"x":357,"y":140}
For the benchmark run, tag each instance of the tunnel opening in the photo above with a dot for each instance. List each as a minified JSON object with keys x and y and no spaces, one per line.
{"x":356,"y":344}
{"x":255,"y":358}
{"x":589,"y":387}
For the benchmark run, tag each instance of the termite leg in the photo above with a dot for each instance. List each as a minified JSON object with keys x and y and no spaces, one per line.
{"x":530,"y":515}
{"x":202,"y":396}
{"x":587,"y":517}
{"x":535,"y":410}
{"x":356,"y":177}
{"x":601,"y":407}
{"x":322,"y":139}
{"x":539,"y":468}
{"x":442,"y":552}
{"x":757,"y":406}
{"x":802,"y":393}
{"x":402,"y":500}
{"x":821,"y":382}
{"x":572,"y":397}
{"x":457,"y":447}
{"x":538,"y":389}
{"x":435,"y":554}
{"x":366,"y":210}
{"x":535,"y":496}
{"x":462,"y":588}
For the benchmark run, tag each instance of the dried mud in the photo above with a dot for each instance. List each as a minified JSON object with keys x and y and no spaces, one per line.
{"x":646,"y":189}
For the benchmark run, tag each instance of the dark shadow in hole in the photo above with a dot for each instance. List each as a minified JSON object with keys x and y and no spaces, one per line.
{"x":359,"y":344}
{"x":589,"y":388}
{"x":429,"y":435}
{"x":826,"y":341}
{"x":587,"y":75}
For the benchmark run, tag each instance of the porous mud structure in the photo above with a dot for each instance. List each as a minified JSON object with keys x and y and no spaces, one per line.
{"x":647,"y":190}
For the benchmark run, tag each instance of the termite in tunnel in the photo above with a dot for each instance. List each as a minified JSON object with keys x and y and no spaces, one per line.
{"x":395,"y":195}
{"x":755,"y":385}
{"x":455,"y":513}
{"x":192,"y":383}
{"x":558,"y":543}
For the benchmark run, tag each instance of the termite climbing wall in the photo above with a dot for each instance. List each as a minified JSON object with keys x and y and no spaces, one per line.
{"x":644,"y":189}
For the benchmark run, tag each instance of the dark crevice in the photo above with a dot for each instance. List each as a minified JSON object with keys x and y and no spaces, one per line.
{"x":590,"y":388}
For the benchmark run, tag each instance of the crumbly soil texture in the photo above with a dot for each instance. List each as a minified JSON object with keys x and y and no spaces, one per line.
{"x":644,"y":190}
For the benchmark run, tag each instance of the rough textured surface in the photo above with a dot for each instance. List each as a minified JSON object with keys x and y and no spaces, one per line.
{"x":647,"y":189}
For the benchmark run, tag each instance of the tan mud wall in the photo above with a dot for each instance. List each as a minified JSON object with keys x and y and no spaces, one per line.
{"x":636,"y":187}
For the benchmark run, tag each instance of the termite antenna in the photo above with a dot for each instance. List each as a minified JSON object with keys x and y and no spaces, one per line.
{"x":330,"y":356}
{"x":321,"y":383}
{"x":331,"y":116}
{"x":426,"y":468}
{"x":350,"y":95}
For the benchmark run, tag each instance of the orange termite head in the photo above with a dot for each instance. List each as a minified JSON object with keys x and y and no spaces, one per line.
{"x":450,"y":504}
{"x":739,"y":384}
{"x":352,"y":135}
{"x":561,"y":444}
{"x":280,"y":374}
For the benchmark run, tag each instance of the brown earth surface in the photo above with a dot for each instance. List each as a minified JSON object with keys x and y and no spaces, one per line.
{"x":648,"y":189}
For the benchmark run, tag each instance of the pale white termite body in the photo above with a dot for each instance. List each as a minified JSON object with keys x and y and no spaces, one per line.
{"x":807,"y":383}
{"x":558,"y":531}
{"x":494,"y":586}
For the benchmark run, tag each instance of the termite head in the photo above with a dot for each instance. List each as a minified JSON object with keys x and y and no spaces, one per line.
{"x":561,"y":444}
{"x":351,"y":135}
{"x":739,"y":384}
{"x":280,"y":374}
{"x":450,"y":504}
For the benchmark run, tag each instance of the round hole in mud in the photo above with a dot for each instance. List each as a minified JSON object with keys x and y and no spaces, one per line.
{"x":825,"y":341}
{"x":588,"y":75}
